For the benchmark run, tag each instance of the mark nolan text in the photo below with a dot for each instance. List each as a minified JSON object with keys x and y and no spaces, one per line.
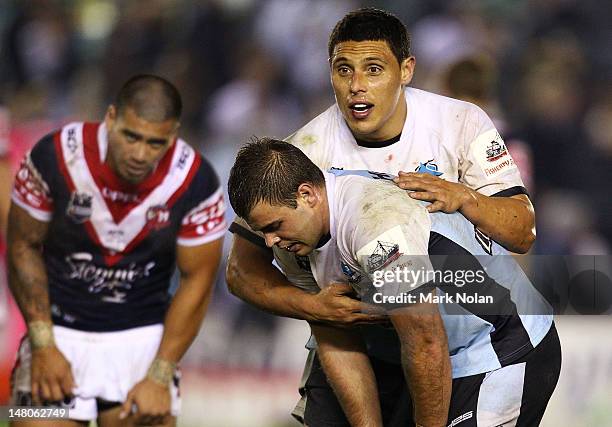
{"x":458,"y":298}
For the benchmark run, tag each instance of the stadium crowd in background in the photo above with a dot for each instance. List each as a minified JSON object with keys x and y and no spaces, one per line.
{"x":547,"y":66}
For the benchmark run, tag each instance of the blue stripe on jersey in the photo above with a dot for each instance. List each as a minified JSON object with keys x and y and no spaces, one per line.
{"x":480,"y":342}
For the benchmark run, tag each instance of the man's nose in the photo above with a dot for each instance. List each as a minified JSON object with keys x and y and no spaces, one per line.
{"x":139,"y":152}
{"x":358,"y":82}
{"x":271,"y":239}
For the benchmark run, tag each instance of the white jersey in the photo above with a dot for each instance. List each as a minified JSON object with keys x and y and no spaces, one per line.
{"x":445,"y":137}
{"x":492,"y":313}
{"x":452,"y":139}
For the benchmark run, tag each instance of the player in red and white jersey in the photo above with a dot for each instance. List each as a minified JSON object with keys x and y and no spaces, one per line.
{"x":102,"y":214}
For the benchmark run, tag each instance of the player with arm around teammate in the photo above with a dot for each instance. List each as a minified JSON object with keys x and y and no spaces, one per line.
{"x":101,"y":215}
{"x":380,"y":123}
{"x":358,"y":226}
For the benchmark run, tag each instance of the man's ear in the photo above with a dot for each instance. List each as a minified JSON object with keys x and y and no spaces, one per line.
{"x":309,"y":194}
{"x":110,"y":117}
{"x":407,"y":70}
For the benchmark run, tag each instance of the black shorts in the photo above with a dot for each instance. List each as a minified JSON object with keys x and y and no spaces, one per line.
{"x":515,"y":395}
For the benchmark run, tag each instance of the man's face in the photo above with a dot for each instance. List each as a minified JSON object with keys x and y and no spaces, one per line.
{"x":135,"y":145}
{"x":295,"y":230}
{"x":367,"y":81}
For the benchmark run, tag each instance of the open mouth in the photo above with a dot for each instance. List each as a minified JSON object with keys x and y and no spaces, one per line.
{"x":293,"y":247}
{"x":360,"y":109}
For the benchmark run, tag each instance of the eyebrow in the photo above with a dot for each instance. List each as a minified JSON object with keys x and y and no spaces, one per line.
{"x":269,"y":227}
{"x":341,"y":59}
{"x":156,"y":141}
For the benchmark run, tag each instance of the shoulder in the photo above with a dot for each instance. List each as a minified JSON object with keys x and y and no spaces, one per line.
{"x":315,"y":130}
{"x":370,"y":207}
{"x":434,"y":103}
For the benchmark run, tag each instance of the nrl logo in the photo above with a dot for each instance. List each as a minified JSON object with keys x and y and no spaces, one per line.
{"x":353,"y":276}
{"x":79,"y":207}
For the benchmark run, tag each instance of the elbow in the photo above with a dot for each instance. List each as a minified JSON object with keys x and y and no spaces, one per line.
{"x":232,"y":277}
{"x":526,"y":242}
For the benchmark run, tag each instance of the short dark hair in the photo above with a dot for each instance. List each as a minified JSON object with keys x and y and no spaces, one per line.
{"x":153,"y":98}
{"x":270,"y":171}
{"x":369,"y":23}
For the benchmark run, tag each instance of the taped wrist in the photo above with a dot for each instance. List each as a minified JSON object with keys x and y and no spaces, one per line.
{"x":40,"y":334}
{"x":161,"y":371}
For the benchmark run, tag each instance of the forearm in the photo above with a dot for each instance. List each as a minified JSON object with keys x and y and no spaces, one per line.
{"x":252,"y":277}
{"x":28,"y":280}
{"x":349,"y":372}
{"x":508,"y":221}
{"x":426,"y":365}
{"x":183,"y":321}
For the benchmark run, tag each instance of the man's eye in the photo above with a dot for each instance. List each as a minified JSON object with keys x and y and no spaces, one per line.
{"x":374,"y":69}
{"x":343,"y":71}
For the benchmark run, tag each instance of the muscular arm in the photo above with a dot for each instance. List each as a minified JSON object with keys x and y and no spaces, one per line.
{"x":425,"y":362}
{"x":349,"y":372}
{"x":252,"y":277}
{"x":51,"y":375}
{"x":510,"y":221}
{"x":27,"y":274}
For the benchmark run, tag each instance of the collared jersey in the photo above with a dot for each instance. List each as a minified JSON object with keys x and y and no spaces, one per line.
{"x":376,"y":228}
{"x":111,"y":247}
{"x":442,"y":136}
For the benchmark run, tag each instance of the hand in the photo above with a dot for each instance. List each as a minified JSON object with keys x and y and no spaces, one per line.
{"x":444,"y":196}
{"x":152,"y":401}
{"x":335,"y":306}
{"x":51,"y":376}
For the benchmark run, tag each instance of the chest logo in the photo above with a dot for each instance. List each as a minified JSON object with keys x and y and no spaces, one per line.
{"x":428,"y":167}
{"x":79,"y":207}
{"x":158,"y":217}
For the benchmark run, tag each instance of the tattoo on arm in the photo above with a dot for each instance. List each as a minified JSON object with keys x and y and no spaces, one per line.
{"x":27,"y":273}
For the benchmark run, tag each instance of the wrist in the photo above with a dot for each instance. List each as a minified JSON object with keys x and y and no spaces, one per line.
{"x":161,"y":371}
{"x":40,"y":334}
{"x":469,"y":203}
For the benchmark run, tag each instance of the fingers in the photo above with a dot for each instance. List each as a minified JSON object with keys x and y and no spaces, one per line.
{"x":341,"y":288}
{"x":126,"y":408}
{"x":423,"y":195}
{"x":67,"y":384}
{"x":436,"y":206}
{"x":36,"y":392}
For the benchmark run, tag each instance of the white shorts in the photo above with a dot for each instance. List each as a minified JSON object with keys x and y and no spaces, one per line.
{"x":105,"y":366}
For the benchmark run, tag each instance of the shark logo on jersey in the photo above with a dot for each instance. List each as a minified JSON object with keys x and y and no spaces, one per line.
{"x":79,"y":207}
{"x":428,"y":167}
{"x":353,"y":276}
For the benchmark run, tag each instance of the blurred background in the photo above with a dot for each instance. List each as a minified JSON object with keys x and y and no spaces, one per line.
{"x":541,"y":69}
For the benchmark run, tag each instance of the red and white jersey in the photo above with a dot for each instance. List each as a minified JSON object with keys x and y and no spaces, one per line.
{"x":110,"y":250}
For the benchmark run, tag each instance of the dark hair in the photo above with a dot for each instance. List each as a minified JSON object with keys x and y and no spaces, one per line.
{"x":153,"y":98}
{"x":268,"y":170}
{"x":369,"y":23}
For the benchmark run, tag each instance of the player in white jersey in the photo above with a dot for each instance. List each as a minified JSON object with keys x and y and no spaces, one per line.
{"x":447,"y":291}
{"x":455,"y":158}
{"x":102,"y":215}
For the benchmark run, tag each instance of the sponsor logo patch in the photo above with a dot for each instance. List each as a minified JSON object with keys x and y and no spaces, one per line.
{"x":492,"y":154}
